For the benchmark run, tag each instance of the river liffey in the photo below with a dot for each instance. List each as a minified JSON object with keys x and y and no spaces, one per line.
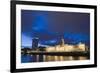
{"x":49,"y":58}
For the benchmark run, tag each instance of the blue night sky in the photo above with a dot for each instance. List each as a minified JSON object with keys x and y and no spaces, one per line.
{"x":50,"y":26}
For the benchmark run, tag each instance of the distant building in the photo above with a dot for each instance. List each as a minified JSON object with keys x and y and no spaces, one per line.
{"x":35,"y":43}
{"x":62,"y":47}
{"x":82,"y":46}
{"x":67,"y":47}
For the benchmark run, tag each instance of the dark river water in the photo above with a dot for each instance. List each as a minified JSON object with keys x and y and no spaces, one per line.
{"x":48,"y":58}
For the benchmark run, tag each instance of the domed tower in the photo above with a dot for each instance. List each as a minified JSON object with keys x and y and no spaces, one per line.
{"x":62,"y":43}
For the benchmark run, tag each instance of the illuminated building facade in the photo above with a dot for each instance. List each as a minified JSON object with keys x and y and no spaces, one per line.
{"x":66,"y":47}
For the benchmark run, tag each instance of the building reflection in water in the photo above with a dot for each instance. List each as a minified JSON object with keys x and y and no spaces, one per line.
{"x":48,"y":58}
{"x":61,"y":58}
